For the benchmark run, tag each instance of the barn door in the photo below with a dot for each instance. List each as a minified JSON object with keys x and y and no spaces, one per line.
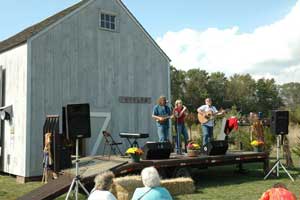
{"x":2,"y":122}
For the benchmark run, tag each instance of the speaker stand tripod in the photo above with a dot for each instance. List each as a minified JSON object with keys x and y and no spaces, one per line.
{"x":278,"y":163}
{"x":76,"y":179}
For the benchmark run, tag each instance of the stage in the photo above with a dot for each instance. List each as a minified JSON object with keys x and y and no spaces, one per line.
{"x":175,"y":166}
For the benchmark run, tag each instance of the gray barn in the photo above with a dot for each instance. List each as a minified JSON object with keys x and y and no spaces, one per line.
{"x":94,"y":52}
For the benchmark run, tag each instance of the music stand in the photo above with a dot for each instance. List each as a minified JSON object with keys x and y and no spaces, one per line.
{"x":76,"y":179}
{"x":278,"y":163}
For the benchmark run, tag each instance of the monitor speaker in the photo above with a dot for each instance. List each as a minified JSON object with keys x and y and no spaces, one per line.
{"x":78,"y":121}
{"x":156,"y":150}
{"x":216,"y":147}
{"x":279,"y":122}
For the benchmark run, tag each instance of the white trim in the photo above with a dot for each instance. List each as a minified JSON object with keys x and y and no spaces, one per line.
{"x":27,"y":151}
{"x":107,"y":116}
{"x":111,"y":14}
{"x":169,"y":96}
{"x":60,"y":20}
{"x":143,"y":29}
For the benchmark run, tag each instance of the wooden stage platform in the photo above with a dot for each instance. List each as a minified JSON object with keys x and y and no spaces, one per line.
{"x":176,"y":165}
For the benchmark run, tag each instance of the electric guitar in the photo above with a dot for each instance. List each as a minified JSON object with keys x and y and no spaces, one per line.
{"x":204,"y":117}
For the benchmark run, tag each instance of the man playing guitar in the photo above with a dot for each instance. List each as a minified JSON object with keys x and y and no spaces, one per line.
{"x":205,"y":115}
{"x":162,"y":113}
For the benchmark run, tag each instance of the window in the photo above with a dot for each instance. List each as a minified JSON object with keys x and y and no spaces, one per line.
{"x":108,"y":21}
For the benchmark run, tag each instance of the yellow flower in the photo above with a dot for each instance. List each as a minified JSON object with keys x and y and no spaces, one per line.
{"x":193,"y":146}
{"x":134,"y":150}
{"x":256,"y":143}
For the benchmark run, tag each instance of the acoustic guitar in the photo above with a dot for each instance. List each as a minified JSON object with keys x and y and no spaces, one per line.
{"x":204,"y":117}
{"x":163,"y":119}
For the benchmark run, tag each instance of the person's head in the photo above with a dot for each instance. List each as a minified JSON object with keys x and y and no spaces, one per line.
{"x":279,"y":185}
{"x":178,"y":103}
{"x":162,"y":100}
{"x":104,"y":181}
{"x":208,"y":101}
{"x":150,"y":177}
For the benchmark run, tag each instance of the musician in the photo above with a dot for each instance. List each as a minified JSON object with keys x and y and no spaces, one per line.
{"x":162,"y":113}
{"x":179,"y":114}
{"x":207,"y":110}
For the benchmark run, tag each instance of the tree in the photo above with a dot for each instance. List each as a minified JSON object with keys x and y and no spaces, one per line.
{"x":216,"y":88}
{"x":267,"y":95}
{"x":290,"y":95}
{"x":240,"y":91}
{"x":177,"y":84}
{"x":196,"y":92}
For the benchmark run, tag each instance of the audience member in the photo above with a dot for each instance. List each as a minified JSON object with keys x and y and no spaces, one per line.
{"x":103,"y":183}
{"x":278,"y":192}
{"x":152,"y":189}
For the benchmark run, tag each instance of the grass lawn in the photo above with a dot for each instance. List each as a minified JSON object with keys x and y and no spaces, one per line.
{"x":9,"y":189}
{"x":225,"y":183}
{"x":213,"y":183}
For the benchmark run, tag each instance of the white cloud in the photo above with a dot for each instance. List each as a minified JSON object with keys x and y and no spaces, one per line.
{"x":271,"y":51}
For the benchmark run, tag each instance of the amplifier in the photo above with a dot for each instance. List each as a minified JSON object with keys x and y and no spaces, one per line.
{"x":216,"y":147}
{"x":156,"y":150}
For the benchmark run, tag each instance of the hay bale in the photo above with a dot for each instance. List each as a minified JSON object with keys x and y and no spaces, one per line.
{"x":178,"y":186}
{"x":124,"y":187}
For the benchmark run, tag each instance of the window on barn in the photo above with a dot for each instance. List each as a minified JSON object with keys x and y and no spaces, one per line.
{"x":108,"y":21}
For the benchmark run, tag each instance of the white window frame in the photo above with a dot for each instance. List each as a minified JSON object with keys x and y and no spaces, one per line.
{"x":110,"y":14}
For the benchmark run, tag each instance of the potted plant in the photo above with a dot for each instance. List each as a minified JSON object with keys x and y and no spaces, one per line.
{"x":135,"y":153}
{"x":193,"y":149}
{"x":257,"y":145}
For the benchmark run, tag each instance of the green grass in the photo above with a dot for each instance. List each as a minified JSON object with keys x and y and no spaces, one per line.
{"x":225,"y":183}
{"x":9,"y":189}
{"x":212,"y":183}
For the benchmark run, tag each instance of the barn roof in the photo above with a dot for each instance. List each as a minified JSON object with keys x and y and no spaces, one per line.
{"x":24,"y":35}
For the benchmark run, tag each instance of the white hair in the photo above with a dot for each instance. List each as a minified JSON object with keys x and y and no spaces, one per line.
{"x":150,"y":177}
{"x":104,"y":180}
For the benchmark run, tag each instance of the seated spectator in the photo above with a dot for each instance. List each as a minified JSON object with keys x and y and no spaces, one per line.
{"x":103,"y":183}
{"x":152,"y":189}
{"x":278,"y":192}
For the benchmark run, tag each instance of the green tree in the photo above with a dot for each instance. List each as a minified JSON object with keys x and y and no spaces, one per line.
{"x":177,"y":84}
{"x":216,"y":88}
{"x":267,"y":95}
{"x":240,"y":91}
{"x":290,"y":95}
{"x":196,"y":92}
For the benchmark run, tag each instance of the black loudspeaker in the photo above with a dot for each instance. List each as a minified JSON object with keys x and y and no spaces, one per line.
{"x":216,"y":147}
{"x":78,"y":123}
{"x":156,"y":150}
{"x":279,"y":122}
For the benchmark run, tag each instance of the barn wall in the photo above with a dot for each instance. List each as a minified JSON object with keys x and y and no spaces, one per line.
{"x":76,"y":61}
{"x":14,"y":63}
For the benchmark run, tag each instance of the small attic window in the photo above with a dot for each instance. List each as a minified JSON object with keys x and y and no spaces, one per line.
{"x":108,"y":21}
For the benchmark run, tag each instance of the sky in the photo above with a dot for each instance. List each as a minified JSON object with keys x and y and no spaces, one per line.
{"x":259,"y":37}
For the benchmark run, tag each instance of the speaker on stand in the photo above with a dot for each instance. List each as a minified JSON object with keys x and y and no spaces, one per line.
{"x":280,"y":127}
{"x":77,"y":127}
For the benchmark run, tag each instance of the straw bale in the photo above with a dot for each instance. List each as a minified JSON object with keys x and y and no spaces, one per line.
{"x":124,"y":187}
{"x":178,"y":186}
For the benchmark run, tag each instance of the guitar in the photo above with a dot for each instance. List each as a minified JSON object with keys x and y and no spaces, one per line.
{"x":204,"y":117}
{"x":163,"y":119}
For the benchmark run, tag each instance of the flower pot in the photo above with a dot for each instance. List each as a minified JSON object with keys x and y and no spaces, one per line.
{"x":135,"y":158}
{"x":192,"y":153}
{"x":258,"y":149}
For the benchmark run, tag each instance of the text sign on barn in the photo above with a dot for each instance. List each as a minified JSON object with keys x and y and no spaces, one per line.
{"x":123,"y":99}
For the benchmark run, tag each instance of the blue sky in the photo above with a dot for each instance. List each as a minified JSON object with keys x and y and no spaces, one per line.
{"x":158,"y":16}
{"x":260,"y":37}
